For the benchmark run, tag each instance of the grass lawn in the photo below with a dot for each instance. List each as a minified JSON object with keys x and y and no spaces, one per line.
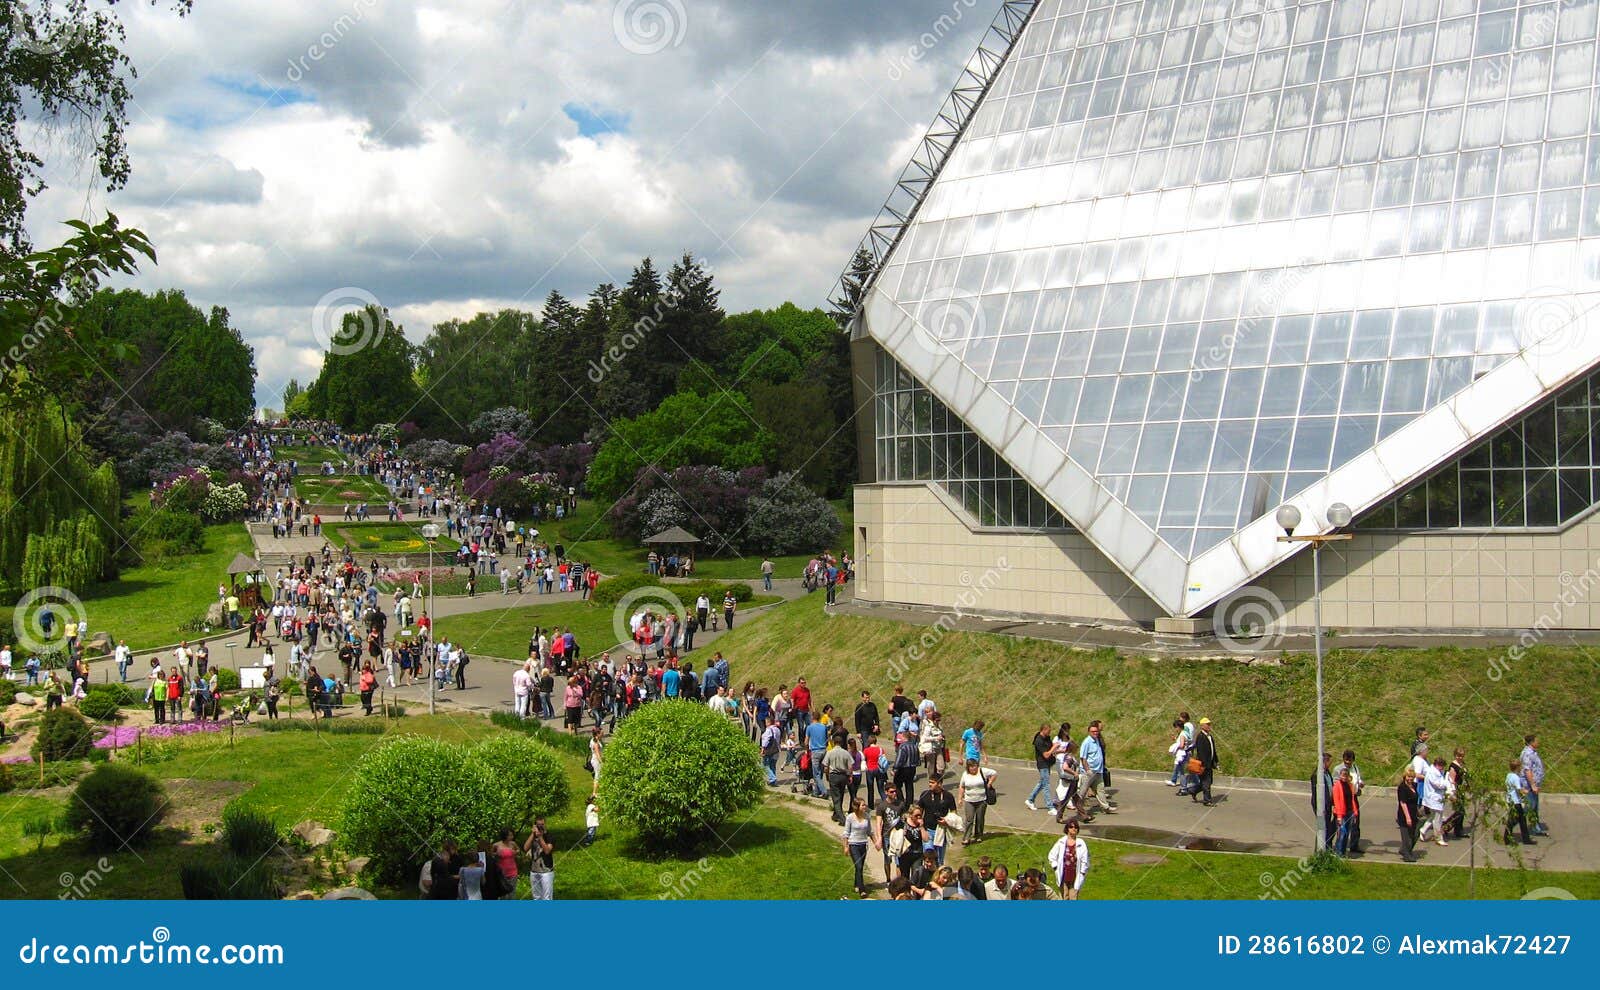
{"x":339,"y":489}
{"x":1183,"y":875}
{"x":146,"y":604}
{"x":309,"y":457}
{"x":294,"y":776}
{"x":587,"y":536}
{"x":505,"y":632}
{"x":386,"y":537}
{"x":1263,"y":713}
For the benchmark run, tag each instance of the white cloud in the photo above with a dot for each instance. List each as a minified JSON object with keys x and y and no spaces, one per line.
{"x":420,"y":151}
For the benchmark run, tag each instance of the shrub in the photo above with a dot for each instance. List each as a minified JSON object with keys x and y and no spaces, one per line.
{"x":100,"y":705}
{"x":117,"y":806}
{"x":611,"y":590}
{"x":227,"y":679}
{"x":8,"y":692}
{"x":675,"y":770}
{"x":166,"y":531}
{"x":532,"y":782}
{"x":226,"y":877}
{"x":63,"y":735}
{"x":6,"y":783}
{"x":122,"y":694}
{"x":787,"y":517}
{"x":533,"y":728}
{"x":408,"y":795}
{"x":247,"y":833}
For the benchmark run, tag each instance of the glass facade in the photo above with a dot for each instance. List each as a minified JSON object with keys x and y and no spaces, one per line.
{"x":920,"y":439}
{"x":1214,"y":252}
{"x":1539,"y":472}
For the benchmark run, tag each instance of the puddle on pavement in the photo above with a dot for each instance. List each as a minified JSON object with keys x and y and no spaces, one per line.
{"x":1143,"y":835}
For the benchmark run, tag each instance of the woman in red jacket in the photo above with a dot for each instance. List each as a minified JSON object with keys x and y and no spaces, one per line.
{"x":1345,"y":810}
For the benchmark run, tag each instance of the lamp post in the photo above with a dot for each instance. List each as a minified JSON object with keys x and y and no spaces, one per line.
{"x":1288,"y":517}
{"x":430,"y":533}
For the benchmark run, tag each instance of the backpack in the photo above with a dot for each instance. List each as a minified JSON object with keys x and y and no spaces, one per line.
{"x":770,"y":748}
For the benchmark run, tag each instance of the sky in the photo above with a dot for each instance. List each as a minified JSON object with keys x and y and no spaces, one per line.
{"x":294,"y":159}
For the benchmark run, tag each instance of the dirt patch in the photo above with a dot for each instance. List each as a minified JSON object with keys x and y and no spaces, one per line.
{"x":193,"y":804}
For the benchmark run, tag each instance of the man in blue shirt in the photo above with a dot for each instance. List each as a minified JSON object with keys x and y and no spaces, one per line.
{"x":833,"y":581}
{"x":1092,"y":756}
{"x":669,"y":683}
{"x":1533,"y":775}
{"x":817,"y":743}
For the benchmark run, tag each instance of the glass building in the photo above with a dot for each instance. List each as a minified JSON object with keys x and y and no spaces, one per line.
{"x":1179,"y":262}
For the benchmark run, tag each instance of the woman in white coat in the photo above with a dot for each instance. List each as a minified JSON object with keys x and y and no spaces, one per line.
{"x":1069,"y":857}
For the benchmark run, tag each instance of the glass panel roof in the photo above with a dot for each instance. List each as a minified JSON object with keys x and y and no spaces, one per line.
{"x":1226,"y":255}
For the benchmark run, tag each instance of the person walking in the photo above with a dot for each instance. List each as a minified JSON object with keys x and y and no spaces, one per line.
{"x":1433,"y":801}
{"x":906,"y":758}
{"x":1205,"y":750}
{"x":766,"y":574}
{"x":1533,"y":775}
{"x":857,"y":836}
{"x":866,"y":718}
{"x":1069,"y":857}
{"x":368,"y":684}
{"x":1516,"y":803}
{"x":1356,"y":782}
{"x":1044,"y":760}
{"x":1405,"y":814}
{"x":1329,"y":823}
{"x":771,"y":746}
{"x":1092,"y":771}
{"x":837,"y":763}
{"x":973,"y":790}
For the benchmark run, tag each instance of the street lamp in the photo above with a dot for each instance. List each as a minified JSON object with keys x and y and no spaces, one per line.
{"x":430,"y":533}
{"x":1288,"y":517}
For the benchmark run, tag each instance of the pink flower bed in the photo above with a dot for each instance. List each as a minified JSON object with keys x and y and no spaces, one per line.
{"x":126,"y":735}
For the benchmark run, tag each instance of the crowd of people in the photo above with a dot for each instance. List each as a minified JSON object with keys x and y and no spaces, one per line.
{"x":1433,"y":796}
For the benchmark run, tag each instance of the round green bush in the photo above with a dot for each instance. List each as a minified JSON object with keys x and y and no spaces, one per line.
{"x":8,"y":692}
{"x":117,"y":806}
{"x":675,"y":770}
{"x":63,"y":735}
{"x":532,"y":782}
{"x":100,"y":705}
{"x":409,"y":794}
{"x":227,"y":679}
{"x":611,"y":590}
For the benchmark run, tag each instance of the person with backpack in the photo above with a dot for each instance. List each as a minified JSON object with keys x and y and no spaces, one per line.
{"x":771,"y":745}
{"x":907,"y":756}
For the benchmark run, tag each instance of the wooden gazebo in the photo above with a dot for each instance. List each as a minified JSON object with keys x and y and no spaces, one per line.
{"x":674,"y":540}
{"x":249,"y":581}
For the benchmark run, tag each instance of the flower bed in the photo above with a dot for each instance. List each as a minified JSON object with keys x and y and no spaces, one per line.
{"x":122,"y":736}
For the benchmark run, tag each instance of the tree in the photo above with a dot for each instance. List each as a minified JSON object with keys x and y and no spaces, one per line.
{"x":361,"y":387}
{"x":808,"y":438}
{"x":63,"y":75}
{"x":853,"y":288}
{"x":787,"y":517}
{"x":292,"y":390}
{"x":685,"y":429}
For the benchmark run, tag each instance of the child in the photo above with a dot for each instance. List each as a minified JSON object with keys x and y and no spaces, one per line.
{"x":591,"y":819}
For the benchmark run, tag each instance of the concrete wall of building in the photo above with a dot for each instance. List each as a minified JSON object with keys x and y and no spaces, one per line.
{"x":1443,"y":581}
{"x":914,"y":546}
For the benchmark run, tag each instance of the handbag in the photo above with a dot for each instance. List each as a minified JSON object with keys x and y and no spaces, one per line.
{"x":990,"y":795}
{"x":1194,"y":765}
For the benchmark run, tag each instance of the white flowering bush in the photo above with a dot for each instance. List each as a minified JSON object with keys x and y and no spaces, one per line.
{"x":224,"y":502}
